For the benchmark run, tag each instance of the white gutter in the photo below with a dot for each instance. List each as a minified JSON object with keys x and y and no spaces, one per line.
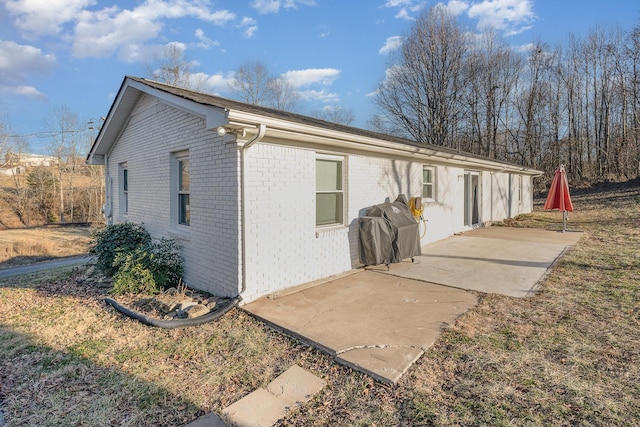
{"x":262,"y":129}
{"x":303,"y":135}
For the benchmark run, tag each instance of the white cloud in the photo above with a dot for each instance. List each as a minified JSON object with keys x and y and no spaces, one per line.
{"x":104,"y":33}
{"x":19,"y":59}
{"x":266,"y":6}
{"x":324,"y":31}
{"x":16,"y":62}
{"x":45,"y":17}
{"x":204,"y":41}
{"x":392,"y":43}
{"x":111,"y":30}
{"x":273,"y":6}
{"x":404,"y":14}
{"x":249,"y":26}
{"x":215,"y":83}
{"x":510,"y":16}
{"x":28,"y":91}
{"x":396,"y":3}
{"x":525,"y":48}
{"x":323,"y":76}
{"x":320,"y":95}
{"x":407,"y":9}
{"x":457,"y":7}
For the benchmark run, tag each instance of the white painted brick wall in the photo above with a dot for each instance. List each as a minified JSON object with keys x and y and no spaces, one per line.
{"x":211,"y":244}
{"x":284,"y":247}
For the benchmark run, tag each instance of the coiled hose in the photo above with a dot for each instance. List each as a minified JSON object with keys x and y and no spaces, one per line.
{"x":177,"y":323}
{"x":417,"y":214}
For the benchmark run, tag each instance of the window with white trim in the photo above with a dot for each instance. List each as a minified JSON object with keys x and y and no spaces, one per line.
{"x":519,"y":189}
{"x":180,"y":200}
{"x":329,"y":190}
{"x":123,"y":172}
{"x":428,"y":183}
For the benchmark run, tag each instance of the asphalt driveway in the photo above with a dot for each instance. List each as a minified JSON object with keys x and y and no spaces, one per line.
{"x":380,"y":321}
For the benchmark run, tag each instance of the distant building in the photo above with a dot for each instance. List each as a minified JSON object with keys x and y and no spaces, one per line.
{"x":11,"y":170}
{"x":29,"y":160}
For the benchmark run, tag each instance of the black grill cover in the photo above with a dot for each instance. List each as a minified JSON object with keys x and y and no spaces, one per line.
{"x":376,"y":241}
{"x":389,"y":233}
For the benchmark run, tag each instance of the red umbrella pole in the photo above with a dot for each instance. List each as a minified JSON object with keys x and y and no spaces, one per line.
{"x":559,"y":197}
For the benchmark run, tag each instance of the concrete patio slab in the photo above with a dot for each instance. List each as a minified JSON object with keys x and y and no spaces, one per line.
{"x":508,"y":261}
{"x":381,"y":323}
{"x":265,"y":406}
{"x":372,"y":322}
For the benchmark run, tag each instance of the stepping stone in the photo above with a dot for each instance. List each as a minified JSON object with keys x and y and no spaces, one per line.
{"x":264,"y":406}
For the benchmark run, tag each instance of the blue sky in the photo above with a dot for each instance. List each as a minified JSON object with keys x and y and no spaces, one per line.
{"x":75,"y":53}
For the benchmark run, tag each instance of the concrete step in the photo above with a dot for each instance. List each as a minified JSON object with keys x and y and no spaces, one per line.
{"x":265,"y":406}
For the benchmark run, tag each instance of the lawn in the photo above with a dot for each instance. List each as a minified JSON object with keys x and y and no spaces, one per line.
{"x":568,"y":356}
{"x":20,"y":246}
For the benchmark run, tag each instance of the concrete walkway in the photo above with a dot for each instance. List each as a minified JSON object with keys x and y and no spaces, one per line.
{"x":501,"y":260}
{"x":373,"y":322}
{"x":265,"y":406}
{"x":380,"y":321}
{"x":45,"y":265}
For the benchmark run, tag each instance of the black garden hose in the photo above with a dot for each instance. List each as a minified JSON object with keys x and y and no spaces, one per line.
{"x":177,"y":323}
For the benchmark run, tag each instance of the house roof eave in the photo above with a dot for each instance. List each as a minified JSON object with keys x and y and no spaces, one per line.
{"x":124,"y":104}
{"x":283,"y":127}
{"x":293,"y":133}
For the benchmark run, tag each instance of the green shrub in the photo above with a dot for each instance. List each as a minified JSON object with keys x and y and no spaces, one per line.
{"x":165,"y":262}
{"x":112,"y":239}
{"x":148,"y":269}
{"x":132,"y":275}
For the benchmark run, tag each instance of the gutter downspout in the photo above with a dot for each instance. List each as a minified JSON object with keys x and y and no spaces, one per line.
{"x":107,"y":209}
{"x":492,"y":174}
{"x":262,"y":129}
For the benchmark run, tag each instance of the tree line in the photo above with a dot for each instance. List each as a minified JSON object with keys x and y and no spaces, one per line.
{"x":576,"y":104}
{"x":58,"y":188}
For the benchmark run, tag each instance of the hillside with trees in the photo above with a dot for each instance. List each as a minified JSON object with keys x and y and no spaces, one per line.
{"x":57,"y":188}
{"x":577,"y":103}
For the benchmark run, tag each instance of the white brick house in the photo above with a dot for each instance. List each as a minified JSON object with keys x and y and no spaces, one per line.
{"x":261,"y":200}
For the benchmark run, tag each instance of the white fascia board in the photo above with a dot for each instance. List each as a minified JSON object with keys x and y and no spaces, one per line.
{"x":291,"y":133}
{"x":125,"y":102}
{"x":113,"y":124}
{"x":214,"y":116}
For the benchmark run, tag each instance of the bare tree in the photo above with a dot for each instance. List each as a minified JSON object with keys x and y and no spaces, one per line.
{"x":577,"y":103}
{"x":254,"y":85}
{"x":632,"y":51}
{"x":283,"y":95}
{"x":251,"y":83}
{"x":175,"y":68}
{"x":5,"y":150}
{"x":335,"y":114}
{"x":423,"y":88}
{"x":532,"y":103}
{"x":492,"y":70}
{"x":42,"y":189}
{"x":68,"y":135}
{"x":17,"y":197}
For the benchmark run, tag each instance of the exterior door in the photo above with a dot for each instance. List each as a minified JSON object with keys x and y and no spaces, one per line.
{"x":471,"y":198}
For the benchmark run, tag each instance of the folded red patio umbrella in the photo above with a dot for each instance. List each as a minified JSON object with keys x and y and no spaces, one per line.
{"x":559,"y":197}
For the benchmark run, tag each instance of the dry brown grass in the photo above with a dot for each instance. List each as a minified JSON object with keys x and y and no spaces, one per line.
{"x":27,"y":245}
{"x":568,"y":356}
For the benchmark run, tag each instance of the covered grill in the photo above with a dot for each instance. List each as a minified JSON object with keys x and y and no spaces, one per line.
{"x":388,"y":233}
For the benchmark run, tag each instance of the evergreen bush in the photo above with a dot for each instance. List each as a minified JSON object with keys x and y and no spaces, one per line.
{"x":114,"y":239}
{"x":137,"y":263}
